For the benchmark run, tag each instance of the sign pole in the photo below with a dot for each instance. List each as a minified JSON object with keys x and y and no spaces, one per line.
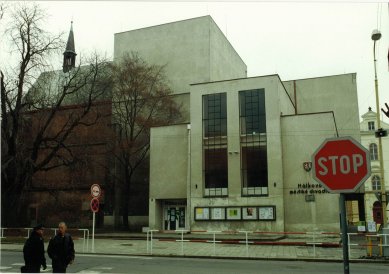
{"x":95,"y":191}
{"x":93,"y":233}
{"x":343,"y":227}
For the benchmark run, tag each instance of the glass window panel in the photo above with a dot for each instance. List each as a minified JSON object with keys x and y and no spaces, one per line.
{"x":376,"y":182}
{"x":373,"y":152}
{"x":252,"y":109}
{"x":253,"y":142}
{"x":215,"y":170}
{"x":215,"y":164}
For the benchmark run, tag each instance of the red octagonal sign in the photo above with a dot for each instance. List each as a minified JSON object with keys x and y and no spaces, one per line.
{"x":341,"y":165}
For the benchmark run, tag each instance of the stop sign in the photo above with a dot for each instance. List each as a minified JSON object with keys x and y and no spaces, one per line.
{"x":341,"y":164}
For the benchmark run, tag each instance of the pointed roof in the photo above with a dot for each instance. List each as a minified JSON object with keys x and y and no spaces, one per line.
{"x":70,"y":44}
{"x":369,"y":114}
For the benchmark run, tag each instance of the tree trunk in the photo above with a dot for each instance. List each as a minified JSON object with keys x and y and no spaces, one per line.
{"x":118,"y":197}
{"x":125,"y":197}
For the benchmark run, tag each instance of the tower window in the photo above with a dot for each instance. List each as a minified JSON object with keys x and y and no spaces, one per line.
{"x":373,"y":152}
{"x":371,"y":125}
{"x":376,"y":182}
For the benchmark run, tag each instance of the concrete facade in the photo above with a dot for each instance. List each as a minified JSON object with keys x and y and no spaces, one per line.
{"x":300,"y":114}
{"x":291,"y":140}
{"x":192,"y":51}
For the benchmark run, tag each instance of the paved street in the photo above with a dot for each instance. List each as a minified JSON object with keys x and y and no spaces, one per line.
{"x":11,"y":262}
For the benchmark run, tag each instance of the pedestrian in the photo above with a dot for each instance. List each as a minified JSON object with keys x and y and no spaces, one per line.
{"x":61,"y":249}
{"x":34,"y":251}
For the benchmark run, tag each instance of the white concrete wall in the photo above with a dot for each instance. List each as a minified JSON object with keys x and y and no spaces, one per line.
{"x":336,"y":93}
{"x":168,"y":162}
{"x":185,"y":48}
{"x":273,"y":97}
{"x":301,"y":136}
{"x":224,"y":61}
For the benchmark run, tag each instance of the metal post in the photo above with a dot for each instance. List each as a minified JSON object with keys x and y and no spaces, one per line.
{"x":380,"y":154}
{"x":343,"y":227}
{"x":314,"y":245}
{"x":247,"y":242}
{"x":349,"y":244}
{"x":28,"y":233}
{"x":93,"y":233}
{"x":87,"y":240}
{"x":147,"y":241}
{"x":151,"y":242}
{"x":182,"y":242}
{"x":83,"y":242}
{"x":214,"y":243}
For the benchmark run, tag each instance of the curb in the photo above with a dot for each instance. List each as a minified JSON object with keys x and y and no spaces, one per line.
{"x":304,"y":259}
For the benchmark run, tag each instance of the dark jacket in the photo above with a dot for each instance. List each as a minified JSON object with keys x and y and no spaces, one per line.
{"x":61,"y":250}
{"x":34,"y":251}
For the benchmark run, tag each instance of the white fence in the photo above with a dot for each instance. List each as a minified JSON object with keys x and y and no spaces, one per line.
{"x":84,"y":231}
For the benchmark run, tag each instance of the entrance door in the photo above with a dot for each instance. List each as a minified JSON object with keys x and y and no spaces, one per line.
{"x":174,"y":217}
{"x":377,"y":212}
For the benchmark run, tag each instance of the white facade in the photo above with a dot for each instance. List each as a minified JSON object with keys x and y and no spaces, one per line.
{"x":291,"y":138}
{"x":192,"y":51}
{"x":295,"y":118}
{"x":368,"y":126}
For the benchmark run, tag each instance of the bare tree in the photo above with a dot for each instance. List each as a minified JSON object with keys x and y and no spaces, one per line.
{"x":141,"y":100}
{"x":387,"y":110}
{"x":34,"y":127}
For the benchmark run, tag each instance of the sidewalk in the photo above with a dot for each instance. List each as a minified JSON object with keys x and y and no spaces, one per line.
{"x":232,"y":246}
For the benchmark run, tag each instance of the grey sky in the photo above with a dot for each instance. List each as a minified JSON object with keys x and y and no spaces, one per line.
{"x":293,"y":39}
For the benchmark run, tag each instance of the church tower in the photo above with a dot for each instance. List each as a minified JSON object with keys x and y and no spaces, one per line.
{"x":69,"y":56}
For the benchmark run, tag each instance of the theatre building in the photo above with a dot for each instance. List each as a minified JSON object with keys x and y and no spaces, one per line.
{"x":241,"y":158}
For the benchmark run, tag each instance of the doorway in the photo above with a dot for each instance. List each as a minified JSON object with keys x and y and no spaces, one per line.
{"x":174,"y":217}
{"x":377,"y":212}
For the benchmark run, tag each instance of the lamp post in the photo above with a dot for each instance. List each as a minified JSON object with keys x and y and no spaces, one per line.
{"x":375,"y":36}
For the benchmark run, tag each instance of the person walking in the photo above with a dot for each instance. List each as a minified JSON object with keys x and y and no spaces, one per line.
{"x":34,"y":251}
{"x":61,"y":249}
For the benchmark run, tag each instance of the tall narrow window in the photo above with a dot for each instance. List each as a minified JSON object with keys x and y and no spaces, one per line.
{"x":376,"y":182}
{"x":371,"y":125}
{"x":373,"y":152}
{"x":253,"y":142}
{"x":215,"y":164}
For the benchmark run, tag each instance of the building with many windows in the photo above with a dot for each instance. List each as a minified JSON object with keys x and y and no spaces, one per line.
{"x":374,"y":185}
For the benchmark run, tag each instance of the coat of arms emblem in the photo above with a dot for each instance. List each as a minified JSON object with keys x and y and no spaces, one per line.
{"x":307,"y":166}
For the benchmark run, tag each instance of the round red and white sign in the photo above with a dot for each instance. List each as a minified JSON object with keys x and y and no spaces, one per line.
{"x":95,"y":191}
{"x":94,"y":205}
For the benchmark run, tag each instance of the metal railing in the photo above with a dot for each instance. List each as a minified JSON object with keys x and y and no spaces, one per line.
{"x":85,"y":231}
{"x":312,"y":239}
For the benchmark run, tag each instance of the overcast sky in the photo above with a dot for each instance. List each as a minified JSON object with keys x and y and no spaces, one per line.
{"x":293,"y":39}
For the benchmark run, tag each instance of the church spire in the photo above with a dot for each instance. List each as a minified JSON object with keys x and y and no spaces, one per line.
{"x":69,"y":56}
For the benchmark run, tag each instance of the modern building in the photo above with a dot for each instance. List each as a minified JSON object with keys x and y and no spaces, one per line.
{"x":241,"y":158}
{"x":374,"y":185}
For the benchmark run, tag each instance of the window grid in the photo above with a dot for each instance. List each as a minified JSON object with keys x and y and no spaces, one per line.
{"x":371,"y":125}
{"x":373,"y":152}
{"x":376,"y":182}
{"x":215,"y":163}
{"x":253,"y":143}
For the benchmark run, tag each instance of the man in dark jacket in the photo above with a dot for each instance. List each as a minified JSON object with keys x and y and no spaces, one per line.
{"x":34,"y":251}
{"x":61,"y":249}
